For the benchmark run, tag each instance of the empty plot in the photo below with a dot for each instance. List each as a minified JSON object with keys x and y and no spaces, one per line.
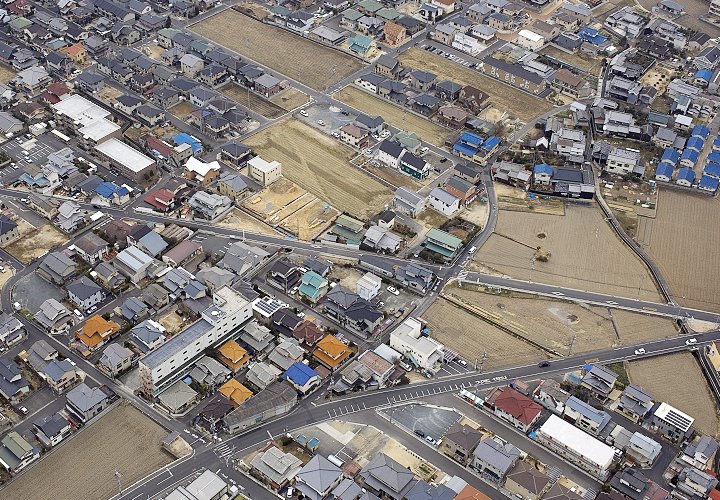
{"x":635,"y":328}
{"x":35,"y":242}
{"x":683,"y":246}
{"x":274,"y":198}
{"x":6,"y":74}
{"x":678,"y":380}
{"x":471,"y":337}
{"x":517,"y":103}
{"x":296,"y":57}
{"x":237,"y":219}
{"x":319,"y":164}
{"x":309,"y":221}
{"x":83,"y":468}
{"x":586,"y":63}
{"x":584,"y":253}
{"x":394,"y":115}
{"x":290,"y":99}
{"x":252,"y":101}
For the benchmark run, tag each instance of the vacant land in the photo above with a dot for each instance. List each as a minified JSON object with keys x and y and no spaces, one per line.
{"x":182,"y":109}
{"x":550,"y":323}
{"x":394,"y":115}
{"x":584,"y":253}
{"x":35,"y":242}
{"x":477,"y":213}
{"x":268,"y":202}
{"x":471,"y":337}
{"x":394,"y":177}
{"x":683,"y":250}
{"x":123,"y":440}
{"x":637,"y":328}
{"x":290,"y":99}
{"x":319,"y":164}
{"x":171,"y":321}
{"x":252,"y":101}
{"x":677,"y":380}
{"x":310,"y":220}
{"x":515,"y":102}
{"x":586,"y":63}
{"x":237,"y":219}
{"x":313,"y":64}
{"x":6,"y":74}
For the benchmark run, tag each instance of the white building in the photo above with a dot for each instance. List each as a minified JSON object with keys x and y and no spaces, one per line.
{"x":200,"y":171}
{"x":209,"y":205}
{"x":369,"y":286}
{"x":622,"y":161}
{"x":92,"y":122}
{"x":424,"y":352}
{"x":576,"y":446}
{"x":530,"y":40}
{"x":264,"y":172}
{"x":129,"y":161}
{"x":172,"y":360}
{"x":444,"y":202}
{"x":468,"y":44}
{"x":208,"y":486}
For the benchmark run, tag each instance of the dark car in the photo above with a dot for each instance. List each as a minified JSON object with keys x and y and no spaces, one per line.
{"x":544,"y":364}
{"x":443,"y":160}
{"x":420,"y":433}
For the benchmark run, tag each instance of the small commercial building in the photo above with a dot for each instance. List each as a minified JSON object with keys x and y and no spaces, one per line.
{"x":131,"y":162}
{"x":530,"y":40}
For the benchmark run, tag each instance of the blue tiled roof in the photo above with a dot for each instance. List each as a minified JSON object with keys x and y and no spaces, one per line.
{"x":592,"y":35}
{"x":107,"y":189}
{"x":300,"y":374}
{"x":686,"y":173}
{"x":183,"y":138}
{"x":670,"y":154}
{"x":704,"y":74}
{"x":472,"y":139}
{"x":543,"y":168}
{"x":710,"y":183}
{"x":690,"y":154}
{"x":712,"y":169}
{"x":695,"y":143}
{"x":491,"y":143}
{"x":464,"y":149}
{"x":716,"y":142}
{"x":714,"y":157}
{"x":665,"y":168}
{"x":700,"y":131}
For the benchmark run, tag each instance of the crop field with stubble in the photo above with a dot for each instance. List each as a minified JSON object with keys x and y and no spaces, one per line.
{"x":83,"y":468}
{"x":678,"y":380}
{"x":296,"y":57}
{"x":585,"y":253}
{"x":320,"y":165}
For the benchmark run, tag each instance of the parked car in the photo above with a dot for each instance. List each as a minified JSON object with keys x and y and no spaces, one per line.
{"x":393,"y":290}
{"x":321,"y":123}
{"x":420,"y":433}
{"x":303,"y":112}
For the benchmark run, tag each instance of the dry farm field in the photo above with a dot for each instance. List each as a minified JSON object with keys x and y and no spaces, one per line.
{"x":517,"y":103}
{"x":6,"y":74}
{"x":394,"y":115}
{"x":252,"y":101}
{"x":313,"y":64}
{"x":84,"y":467}
{"x":470,"y":337}
{"x":319,"y":164}
{"x":683,"y":248}
{"x":394,"y":177}
{"x":35,"y":241}
{"x":678,"y":380}
{"x":586,"y":63}
{"x":290,"y":98}
{"x":636,"y":328}
{"x":584,"y":253}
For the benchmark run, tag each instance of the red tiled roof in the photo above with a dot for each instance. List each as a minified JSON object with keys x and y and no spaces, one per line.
{"x":160,"y":146}
{"x":524,"y":409}
{"x":160,"y":198}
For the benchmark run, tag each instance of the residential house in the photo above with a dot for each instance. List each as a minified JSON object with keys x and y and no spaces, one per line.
{"x":570,"y":84}
{"x":84,"y":293}
{"x":348,"y":309}
{"x":276,"y":399}
{"x":331,"y":352}
{"x":276,"y":468}
{"x":460,"y":441}
{"x":421,"y":351}
{"x":634,"y":403}
{"x":61,"y":375}
{"x":283,"y":275}
{"x":445,"y":245}
{"x":408,"y":202}
{"x":191,"y":65}
{"x":262,"y":374}
{"x":51,"y":429}
{"x":443,"y":202}
{"x":13,"y":385}
{"x":53,"y":316}
{"x":513,"y":74}
{"x":514,"y":407}
{"x":384,"y":476}
{"x":96,"y":332}
{"x":209,"y":205}
{"x":673,"y":424}
{"x":148,"y":335}
{"x":526,"y":481}
{"x":85,"y":403}
{"x":263,"y":171}
{"x":232,"y":355}
{"x":699,"y":452}
{"x":115,"y":360}
{"x":57,"y":268}
{"x":318,"y":478}
{"x":422,"y":80}
{"x":369,"y":286}
{"x":16,"y":453}
{"x":91,"y":248}
{"x":494,"y":459}
{"x":600,"y":381}
{"x":586,"y":417}
{"x":12,"y":330}
{"x":303,"y":378}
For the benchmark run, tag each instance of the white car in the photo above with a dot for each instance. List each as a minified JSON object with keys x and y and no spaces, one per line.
{"x":335,"y":134}
{"x":301,"y":315}
{"x":691,"y":341}
{"x":393,"y":290}
{"x":321,"y":123}
{"x":640,"y":351}
{"x":303,"y":112}
{"x":558,"y":293}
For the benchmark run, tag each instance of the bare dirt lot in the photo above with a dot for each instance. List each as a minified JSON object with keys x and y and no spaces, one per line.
{"x":584,"y":253}
{"x":688,"y":393}
{"x":518,"y":104}
{"x":123,"y":439}
{"x":252,"y":101}
{"x":34,"y":241}
{"x":682,"y":249}
{"x":278,"y":49}
{"x":319,"y":164}
{"x":109,"y":94}
{"x":394,"y":177}
{"x":309,"y":221}
{"x":6,"y":74}
{"x":586,"y":63}
{"x":470,"y":336}
{"x":237,"y":219}
{"x":290,"y":99}
{"x":394,"y":115}
{"x":182,"y":109}
{"x":268,"y":202}
{"x":172,"y":322}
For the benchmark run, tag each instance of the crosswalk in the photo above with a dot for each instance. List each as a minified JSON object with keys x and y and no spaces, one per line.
{"x":224,"y":451}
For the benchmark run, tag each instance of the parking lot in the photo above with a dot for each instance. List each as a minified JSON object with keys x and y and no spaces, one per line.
{"x":424,"y":421}
{"x":331,"y":116}
{"x":32,"y":290}
{"x":28,"y":151}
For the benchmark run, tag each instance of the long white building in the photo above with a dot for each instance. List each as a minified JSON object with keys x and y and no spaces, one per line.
{"x":172,"y":360}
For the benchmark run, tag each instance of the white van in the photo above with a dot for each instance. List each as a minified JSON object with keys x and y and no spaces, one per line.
{"x":78,"y":314}
{"x":472,"y":250}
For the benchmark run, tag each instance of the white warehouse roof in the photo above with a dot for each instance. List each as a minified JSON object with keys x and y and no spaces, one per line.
{"x":123,"y":154}
{"x":79,"y":109}
{"x":578,"y":441}
{"x":531,"y":35}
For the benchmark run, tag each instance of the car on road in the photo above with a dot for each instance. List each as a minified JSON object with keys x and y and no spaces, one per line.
{"x":25,"y":200}
{"x":345,"y":112}
{"x":23,"y":410}
{"x":543,"y":364}
{"x":472,"y":250}
{"x":420,"y":433}
{"x":78,"y":314}
{"x":301,"y":315}
{"x":692,"y":341}
{"x":303,"y":112}
{"x":611,"y":302}
{"x":443,"y":159}
{"x":393,"y":290}
{"x":641,"y":351}
{"x":14,"y":166}
{"x":321,"y":123}
{"x":430,"y":440}
{"x":335,"y":135}
{"x":559,"y":294}
{"x":462,"y":362}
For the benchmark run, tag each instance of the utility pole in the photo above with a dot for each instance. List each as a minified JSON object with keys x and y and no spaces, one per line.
{"x":482,"y":360}
{"x":640,"y":286}
{"x":572,"y":342}
{"x":118,"y":476}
